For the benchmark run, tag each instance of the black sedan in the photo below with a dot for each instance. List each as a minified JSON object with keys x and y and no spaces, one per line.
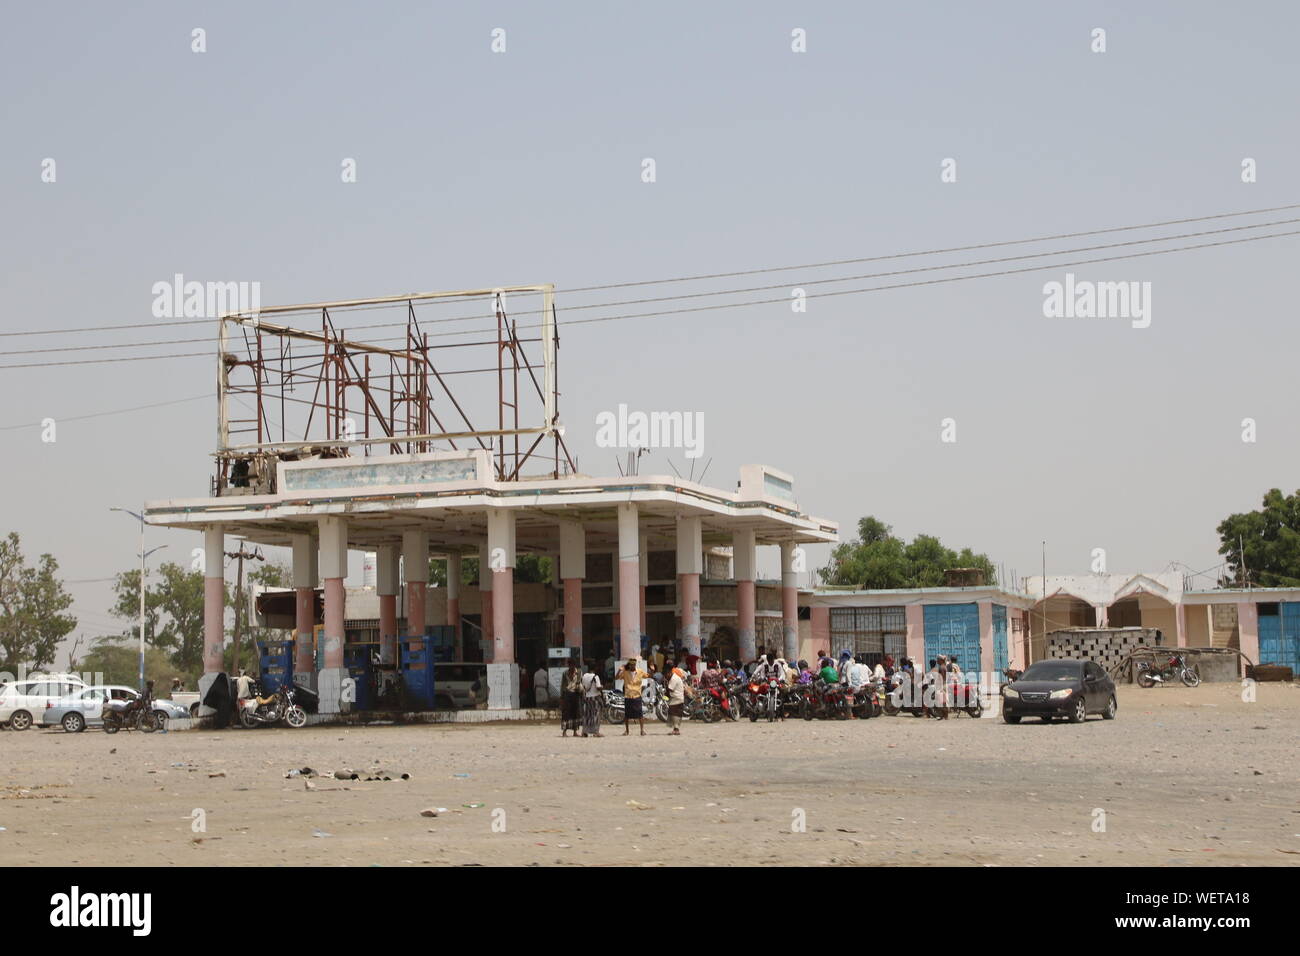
{"x":1060,"y":688}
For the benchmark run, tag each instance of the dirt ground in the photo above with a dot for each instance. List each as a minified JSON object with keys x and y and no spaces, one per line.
{"x":1182,"y":777}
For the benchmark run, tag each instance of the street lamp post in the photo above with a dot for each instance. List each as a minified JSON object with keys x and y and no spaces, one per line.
{"x":143,"y":555}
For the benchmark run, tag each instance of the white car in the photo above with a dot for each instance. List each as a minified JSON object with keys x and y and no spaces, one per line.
{"x":460,"y":686}
{"x":85,"y":707}
{"x":22,"y":700}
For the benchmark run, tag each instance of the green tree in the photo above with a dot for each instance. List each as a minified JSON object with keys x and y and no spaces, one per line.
{"x":173,"y":612}
{"x":115,"y":660}
{"x":32,"y":606}
{"x":528,"y":568}
{"x":1270,"y":538}
{"x":878,"y":560}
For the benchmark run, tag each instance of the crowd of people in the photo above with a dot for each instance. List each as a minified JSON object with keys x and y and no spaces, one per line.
{"x":678,"y":675}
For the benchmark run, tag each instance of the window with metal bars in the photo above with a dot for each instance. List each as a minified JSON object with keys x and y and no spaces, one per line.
{"x":870,"y":632}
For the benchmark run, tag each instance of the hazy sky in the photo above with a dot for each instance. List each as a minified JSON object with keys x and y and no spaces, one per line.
{"x":477,"y":168}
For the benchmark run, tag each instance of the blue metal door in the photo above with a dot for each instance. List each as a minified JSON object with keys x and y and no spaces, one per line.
{"x":1279,"y":636}
{"x":954,"y":630}
{"x":1000,"y":662}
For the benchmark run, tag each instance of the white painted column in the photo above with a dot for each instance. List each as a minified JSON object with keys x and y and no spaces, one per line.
{"x":629,"y":580}
{"x":333,"y":569}
{"x":503,"y":673}
{"x":690,"y":565}
{"x":789,"y":601}
{"x":214,"y":611}
{"x":643,"y":570}
{"x":743,"y":561}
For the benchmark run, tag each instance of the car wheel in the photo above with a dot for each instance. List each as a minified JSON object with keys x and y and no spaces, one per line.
{"x":1109,"y":712}
{"x":194,"y":711}
{"x":1079,"y":712}
{"x":1011,"y":718}
{"x":73,"y":723}
{"x":21,"y":720}
{"x":1046,"y":718}
{"x":161,"y":717}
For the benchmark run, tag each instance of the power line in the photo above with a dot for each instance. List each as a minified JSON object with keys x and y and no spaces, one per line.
{"x":119,"y":411}
{"x":720,"y":275}
{"x":750,"y":302}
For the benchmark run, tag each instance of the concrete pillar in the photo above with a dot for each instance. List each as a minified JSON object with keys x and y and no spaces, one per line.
{"x":986,"y":646}
{"x":485,"y":600}
{"x":742,"y":560}
{"x":503,"y":673}
{"x":1102,"y":615}
{"x":643,"y":571}
{"x":501,"y":565}
{"x":333,"y":568}
{"x":388,"y":581}
{"x":915,"y":617}
{"x":304,"y":586}
{"x":214,"y":611}
{"x":1248,"y":630}
{"x":1180,"y":623}
{"x":820,"y":616}
{"x":690,"y":564}
{"x":415,"y":571}
{"x":789,"y":602}
{"x":573,"y":571}
{"x":629,"y":581}
{"x":454,"y":572}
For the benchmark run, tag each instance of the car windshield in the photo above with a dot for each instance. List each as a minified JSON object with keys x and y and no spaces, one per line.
{"x":1052,"y":670}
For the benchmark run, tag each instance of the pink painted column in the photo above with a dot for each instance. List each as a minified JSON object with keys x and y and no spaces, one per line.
{"x":915,"y":618}
{"x":334,"y":614}
{"x":214,"y":602}
{"x":742,"y":559}
{"x":485,"y":600}
{"x":820,"y":616}
{"x":573,"y":570}
{"x":453,"y":603}
{"x":415,"y":570}
{"x":573,"y":612}
{"x":388,"y":577}
{"x":1180,"y":623}
{"x":789,"y":601}
{"x":629,"y":582}
{"x":1248,"y":630}
{"x":304,"y":584}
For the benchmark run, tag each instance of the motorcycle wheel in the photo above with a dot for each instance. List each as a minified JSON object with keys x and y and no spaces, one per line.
{"x":246,"y":718}
{"x":295,"y":716}
{"x":1190,"y":677}
{"x":1145,"y":680}
{"x":975,"y":709}
{"x":148,"y":721}
{"x":890,"y":707}
{"x":112,"y":723}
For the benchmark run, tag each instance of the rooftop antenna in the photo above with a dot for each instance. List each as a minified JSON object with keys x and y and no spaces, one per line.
{"x":673,"y":467}
{"x":706,"y":469}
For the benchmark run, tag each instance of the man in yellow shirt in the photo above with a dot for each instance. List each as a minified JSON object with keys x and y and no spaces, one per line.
{"x":632,"y":677}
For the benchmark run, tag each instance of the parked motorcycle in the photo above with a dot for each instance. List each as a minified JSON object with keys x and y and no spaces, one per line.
{"x":1148,"y":674}
{"x":966,"y":697}
{"x":253,"y":712}
{"x":764,"y":700}
{"x":134,"y":714}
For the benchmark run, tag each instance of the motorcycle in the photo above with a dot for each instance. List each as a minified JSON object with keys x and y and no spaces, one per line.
{"x":1148,"y":675}
{"x":966,"y":697}
{"x":613,"y":708}
{"x":866,"y":701}
{"x":280,"y":706}
{"x":134,"y":714}
{"x":764,"y":700}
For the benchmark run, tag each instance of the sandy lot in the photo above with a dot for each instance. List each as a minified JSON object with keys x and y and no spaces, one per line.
{"x":1184,"y":777}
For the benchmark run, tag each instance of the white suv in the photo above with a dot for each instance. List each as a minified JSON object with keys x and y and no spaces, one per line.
{"x":22,"y":699}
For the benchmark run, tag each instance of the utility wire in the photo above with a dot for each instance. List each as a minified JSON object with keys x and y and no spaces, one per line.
{"x":723,"y":275}
{"x":750,"y":302}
